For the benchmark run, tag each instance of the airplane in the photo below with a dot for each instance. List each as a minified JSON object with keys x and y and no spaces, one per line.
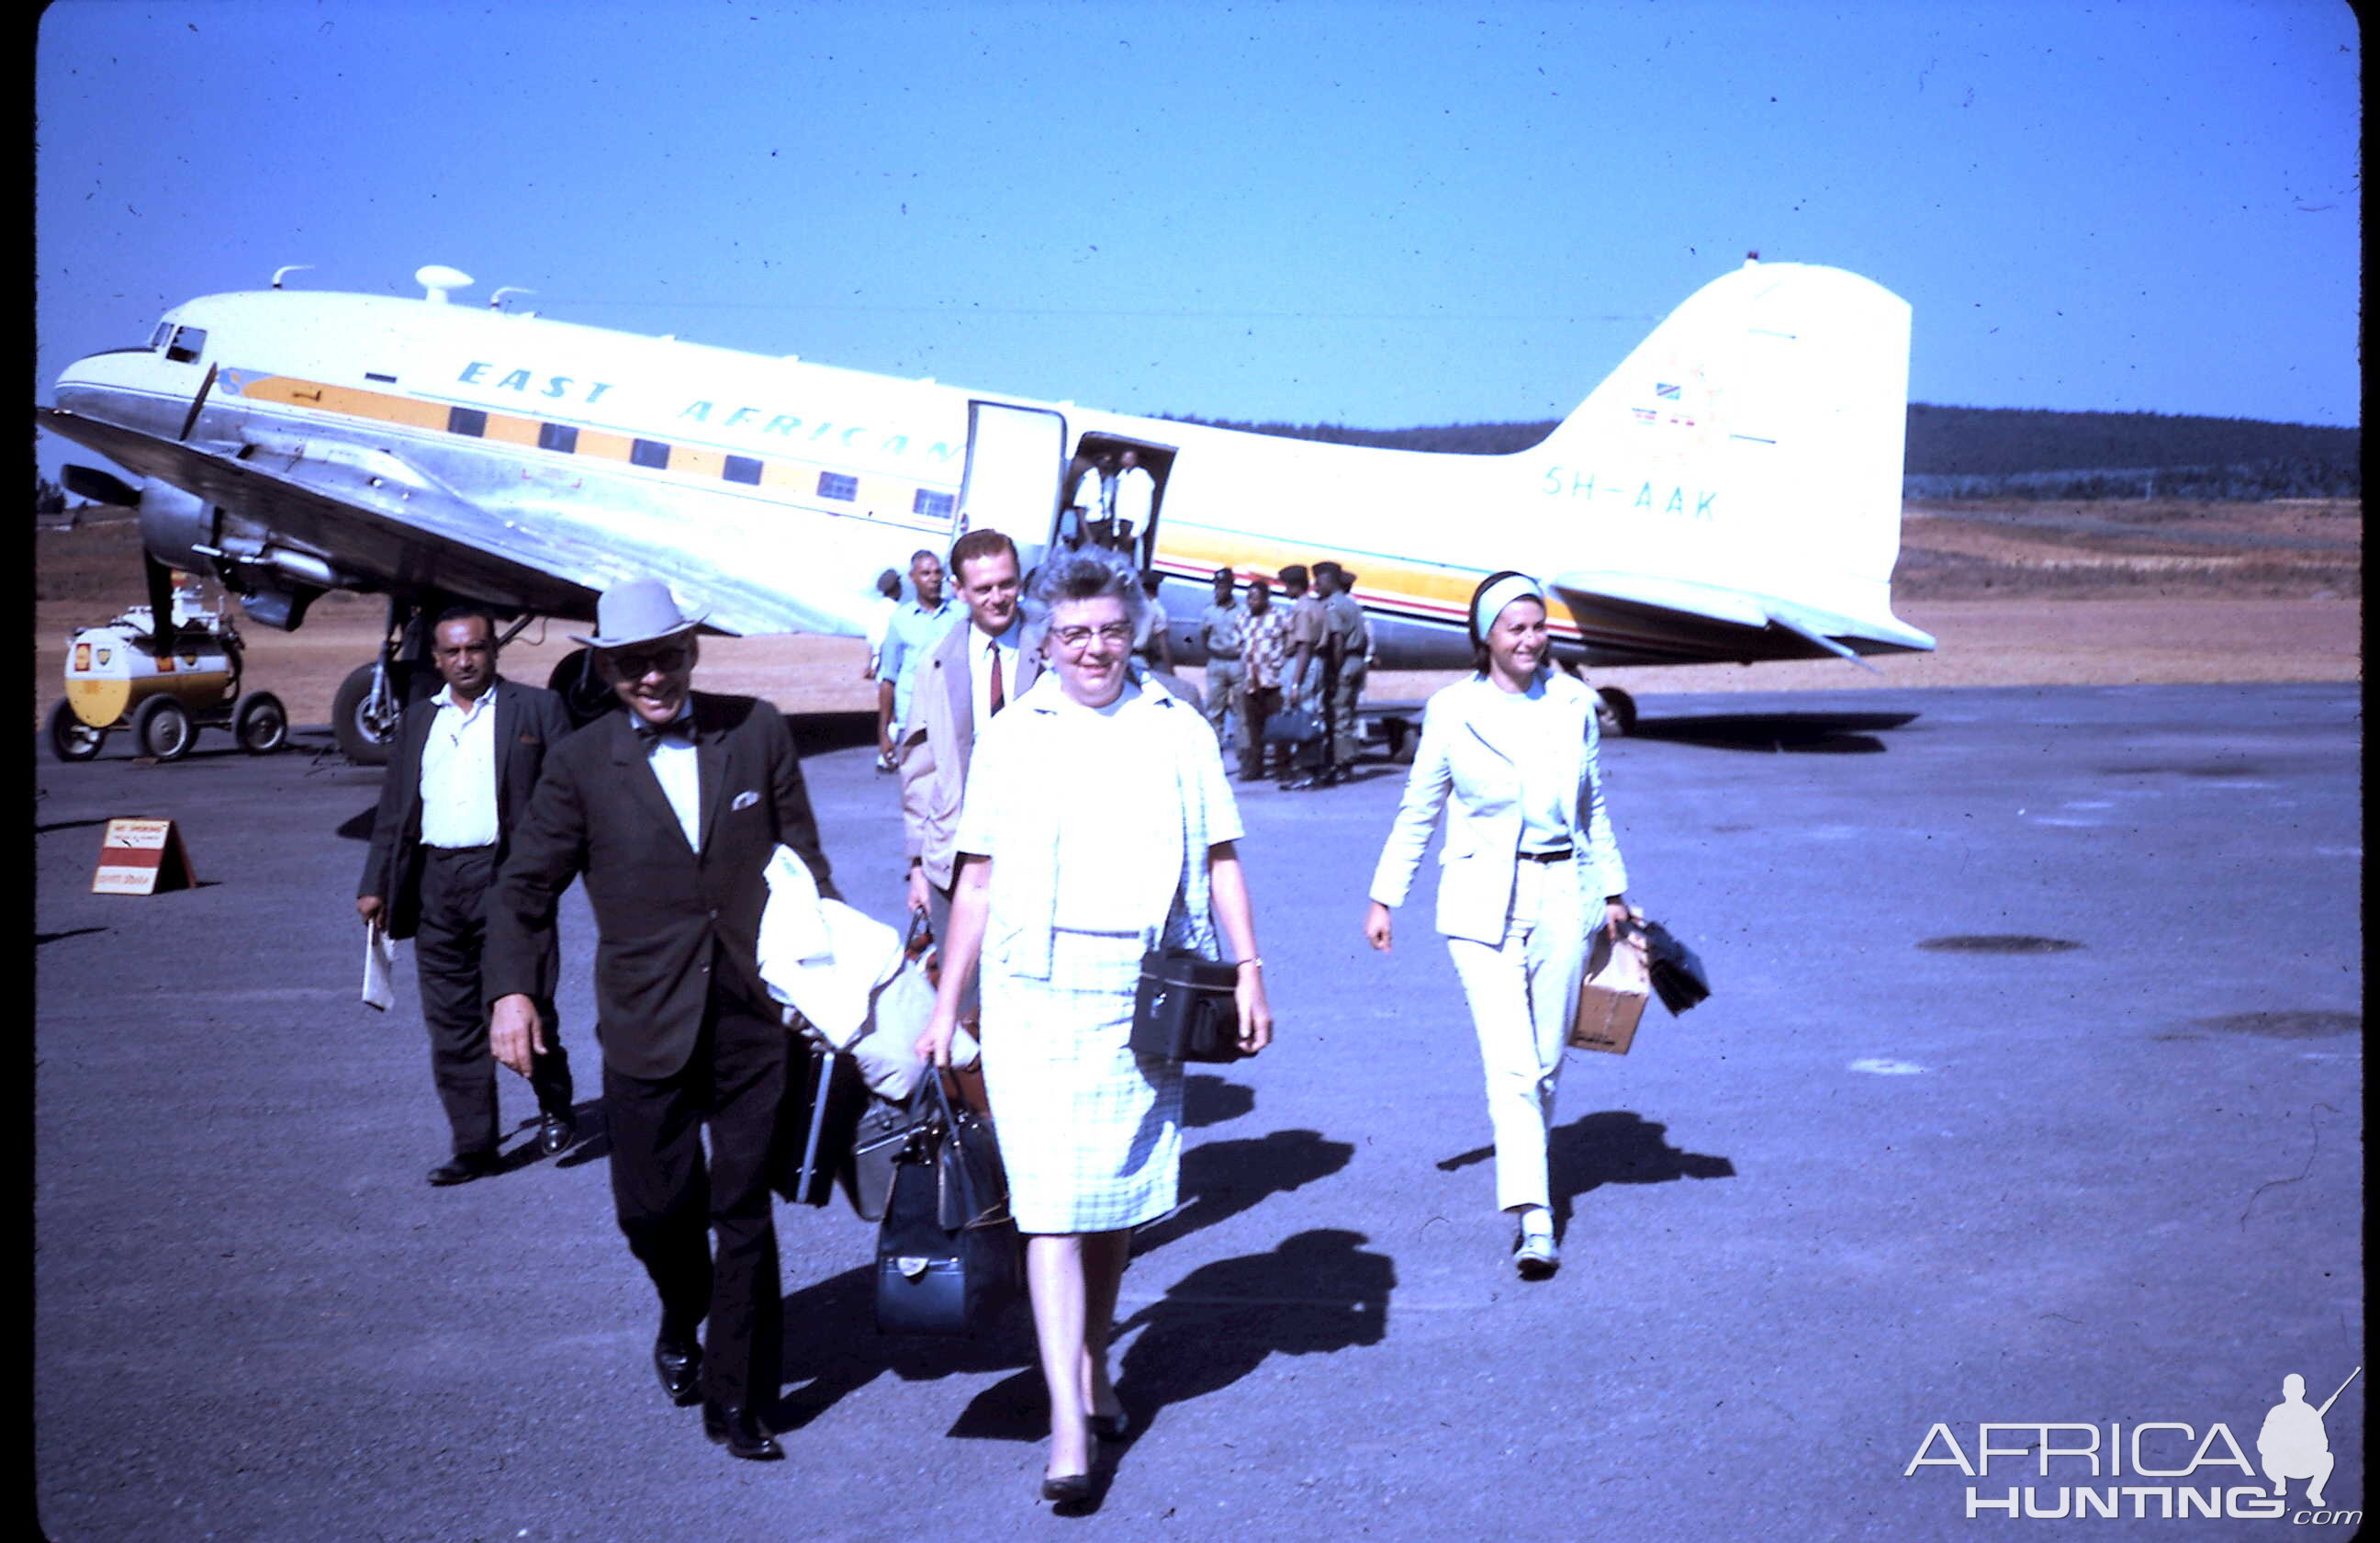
{"x":1731,"y":492}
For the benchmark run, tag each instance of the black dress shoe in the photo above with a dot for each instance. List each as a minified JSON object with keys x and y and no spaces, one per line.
{"x":462,"y":1167}
{"x":1112,"y":1428}
{"x":555,"y":1133}
{"x":678,"y":1363}
{"x":741,"y":1432}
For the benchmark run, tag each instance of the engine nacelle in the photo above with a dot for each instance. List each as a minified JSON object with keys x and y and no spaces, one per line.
{"x":175,"y":527}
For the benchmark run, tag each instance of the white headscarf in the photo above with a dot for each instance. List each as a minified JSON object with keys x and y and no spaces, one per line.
{"x":1491,"y":601}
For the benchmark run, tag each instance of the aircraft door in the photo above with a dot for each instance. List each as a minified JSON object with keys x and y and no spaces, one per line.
{"x":1016,"y":457}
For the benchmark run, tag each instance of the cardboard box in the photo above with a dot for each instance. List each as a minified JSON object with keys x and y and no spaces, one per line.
{"x":1611,"y":998}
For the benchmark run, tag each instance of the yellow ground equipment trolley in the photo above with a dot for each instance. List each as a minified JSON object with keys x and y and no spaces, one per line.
{"x":118,"y":678}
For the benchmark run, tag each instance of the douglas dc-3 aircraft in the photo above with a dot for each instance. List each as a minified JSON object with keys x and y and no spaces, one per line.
{"x":1733,"y":492}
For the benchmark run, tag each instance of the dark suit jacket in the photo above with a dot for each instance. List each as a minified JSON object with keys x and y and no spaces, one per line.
{"x":529,"y":722}
{"x":666,"y":914}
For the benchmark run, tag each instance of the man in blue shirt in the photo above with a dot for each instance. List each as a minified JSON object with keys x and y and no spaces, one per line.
{"x":917,"y":626}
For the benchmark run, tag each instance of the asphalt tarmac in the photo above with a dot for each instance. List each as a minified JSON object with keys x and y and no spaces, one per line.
{"x":2030,"y":1091}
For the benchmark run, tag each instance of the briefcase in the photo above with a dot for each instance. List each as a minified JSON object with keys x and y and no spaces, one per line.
{"x":1185,"y":1008}
{"x":947,"y":1256}
{"x":1611,"y":998}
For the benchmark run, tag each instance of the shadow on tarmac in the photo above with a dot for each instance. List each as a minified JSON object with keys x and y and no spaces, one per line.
{"x":832,"y":1348}
{"x":1224,"y":1178}
{"x":1615,"y":1146}
{"x":359,"y":828}
{"x":1773,"y":732}
{"x":1314,"y":1294}
{"x":1210,"y":1100}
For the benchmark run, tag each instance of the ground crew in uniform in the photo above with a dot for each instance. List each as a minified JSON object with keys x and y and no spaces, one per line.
{"x":671,"y":812}
{"x":459,"y":776}
{"x":1220,"y":629}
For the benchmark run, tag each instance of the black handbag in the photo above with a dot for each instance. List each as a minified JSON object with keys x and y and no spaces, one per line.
{"x":947,"y":1256}
{"x":1186,"y":1008}
{"x":1292,"y":725}
{"x":1678,"y":976}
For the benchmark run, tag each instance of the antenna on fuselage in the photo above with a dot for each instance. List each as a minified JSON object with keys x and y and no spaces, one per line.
{"x":497,"y":300}
{"x":437,"y":279}
{"x":292,"y":268}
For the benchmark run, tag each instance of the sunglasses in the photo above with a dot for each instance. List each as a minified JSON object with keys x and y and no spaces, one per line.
{"x":636,"y":664}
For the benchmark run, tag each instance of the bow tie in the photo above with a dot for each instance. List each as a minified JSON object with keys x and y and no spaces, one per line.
{"x":678,"y":731}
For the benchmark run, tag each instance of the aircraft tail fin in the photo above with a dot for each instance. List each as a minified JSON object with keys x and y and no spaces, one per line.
{"x":1753,"y":440}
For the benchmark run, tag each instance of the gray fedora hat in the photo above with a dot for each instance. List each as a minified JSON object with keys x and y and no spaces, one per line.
{"x":637,"y":611}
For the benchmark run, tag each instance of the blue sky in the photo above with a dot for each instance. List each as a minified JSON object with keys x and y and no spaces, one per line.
{"x":1376,"y":215}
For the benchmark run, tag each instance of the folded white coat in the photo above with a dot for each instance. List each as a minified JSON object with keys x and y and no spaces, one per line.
{"x":842,"y":971}
{"x":818,"y":957}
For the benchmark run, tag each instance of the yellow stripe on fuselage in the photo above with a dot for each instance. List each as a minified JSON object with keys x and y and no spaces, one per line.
{"x":1417,"y":591}
{"x":884,"y":497}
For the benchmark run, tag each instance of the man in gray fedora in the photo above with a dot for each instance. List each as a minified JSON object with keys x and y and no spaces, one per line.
{"x":670,"y":812}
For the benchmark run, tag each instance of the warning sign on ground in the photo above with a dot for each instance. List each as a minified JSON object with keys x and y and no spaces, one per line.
{"x":141,"y":857}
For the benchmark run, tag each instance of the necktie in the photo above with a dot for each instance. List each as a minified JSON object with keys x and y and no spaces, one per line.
{"x":678,"y":731}
{"x":998,"y":697}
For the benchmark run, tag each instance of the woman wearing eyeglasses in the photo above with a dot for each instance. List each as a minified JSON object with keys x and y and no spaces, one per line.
{"x":1529,"y":871}
{"x":1097,"y":824}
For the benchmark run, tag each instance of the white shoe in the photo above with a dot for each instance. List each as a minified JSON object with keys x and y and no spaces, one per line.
{"x":1534,"y":1256}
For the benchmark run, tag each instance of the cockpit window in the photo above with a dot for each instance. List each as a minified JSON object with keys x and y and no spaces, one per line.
{"x":157,"y":338}
{"x":188,"y":344}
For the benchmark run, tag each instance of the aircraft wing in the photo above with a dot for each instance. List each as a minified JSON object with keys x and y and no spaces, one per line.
{"x":1655,"y":619}
{"x":367,"y":513}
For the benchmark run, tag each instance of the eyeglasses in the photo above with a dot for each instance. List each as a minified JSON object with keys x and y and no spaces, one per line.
{"x":1076,"y":638}
{"x":636,"y":664}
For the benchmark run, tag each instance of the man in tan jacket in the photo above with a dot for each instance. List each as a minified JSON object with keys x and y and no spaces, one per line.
{"x":975,"y":671}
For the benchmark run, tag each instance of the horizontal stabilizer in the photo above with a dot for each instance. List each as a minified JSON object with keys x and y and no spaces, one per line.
{"x":1662,"y":619}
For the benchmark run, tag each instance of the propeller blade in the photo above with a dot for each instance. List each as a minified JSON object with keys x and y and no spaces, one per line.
{"x":161,"y":602}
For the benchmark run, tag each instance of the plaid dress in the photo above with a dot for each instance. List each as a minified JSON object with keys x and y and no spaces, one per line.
{"x":1098,"y":825}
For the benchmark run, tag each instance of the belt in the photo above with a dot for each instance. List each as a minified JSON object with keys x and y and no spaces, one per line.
{"x":1558,"y":855}
{"x":457,"y":851}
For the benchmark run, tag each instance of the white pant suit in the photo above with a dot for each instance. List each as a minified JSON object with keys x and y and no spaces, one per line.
{"x":1516,"y":776}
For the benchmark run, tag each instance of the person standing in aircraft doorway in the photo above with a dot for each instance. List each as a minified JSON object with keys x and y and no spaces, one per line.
{"x":1132,"y":500}
{"x":1087,"y":513}
{"x":1530,"y":869}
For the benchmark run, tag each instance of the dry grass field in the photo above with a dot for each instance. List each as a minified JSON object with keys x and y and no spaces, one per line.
{"x":2016,"y":594}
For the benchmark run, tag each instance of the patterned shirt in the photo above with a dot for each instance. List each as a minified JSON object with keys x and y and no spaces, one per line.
{"x":1265,"y":647}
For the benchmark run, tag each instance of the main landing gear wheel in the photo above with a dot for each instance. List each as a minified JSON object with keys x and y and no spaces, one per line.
{"x":365,"y":728}
{"x":1615,"y":710}
{"x":259,"y":723}
{"x":162,"y":728}
{"x":70,"y":737}
{"x":584,"y":696}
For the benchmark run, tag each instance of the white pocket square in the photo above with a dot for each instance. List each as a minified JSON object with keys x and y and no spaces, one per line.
{"x":744,"y":800}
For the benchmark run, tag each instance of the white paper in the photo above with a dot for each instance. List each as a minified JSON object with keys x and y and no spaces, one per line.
{"x":380,"y":963}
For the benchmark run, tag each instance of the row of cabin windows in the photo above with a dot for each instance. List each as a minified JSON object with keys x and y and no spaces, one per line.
{"x":655,"y":454}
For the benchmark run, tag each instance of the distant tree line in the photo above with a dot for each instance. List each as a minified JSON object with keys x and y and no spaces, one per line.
{"x":48,"y":497}
{"x":2007,"y":453}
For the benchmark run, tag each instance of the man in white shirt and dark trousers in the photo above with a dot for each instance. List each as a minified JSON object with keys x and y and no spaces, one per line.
{"x":461,"y":773}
